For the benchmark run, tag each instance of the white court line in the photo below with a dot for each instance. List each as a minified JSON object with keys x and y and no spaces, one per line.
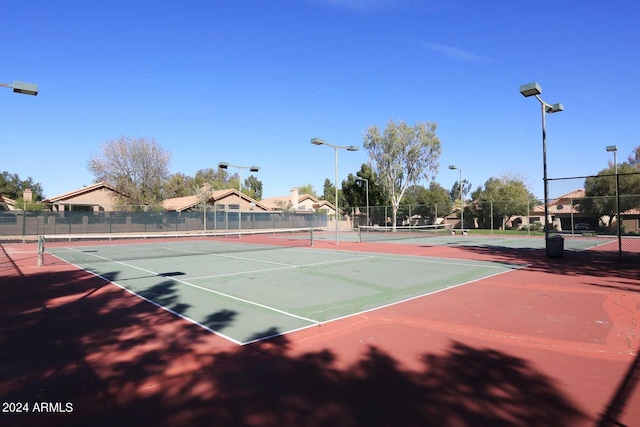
{"x":507,"y":270}
{"x":230,"y":257}
{"x":289,"y":267}
{"x":175,"y":313}
{"x":420,"y":296}
{"x":594,"y":246}
{"x":430,"y":261}
{"x":207,"y":290}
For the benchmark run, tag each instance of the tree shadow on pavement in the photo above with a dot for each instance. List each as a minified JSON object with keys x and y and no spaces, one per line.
{"x":70,"y":337}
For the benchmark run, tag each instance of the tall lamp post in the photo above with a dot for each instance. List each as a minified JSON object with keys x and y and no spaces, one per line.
{"x":318,"y":141}
{"x":534,"y":89}
{"x":614,"y":148}
{"x":26,"y":89}
{"x":224,"y":165}
{"x":367,"y":182}
{"x":454,"y":167}
{"x":23,"y":88}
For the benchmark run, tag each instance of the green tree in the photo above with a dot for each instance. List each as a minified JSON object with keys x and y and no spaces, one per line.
{"x":410,"y":205}
{"x":455,"y":191}
{"x":217,"y":179}
{"x":402,"y":155}
{"x":253,"y":187}
{"x":178,"y":185}
{"x":634,"y":157}
{"x":600,"y":192}
{"x":12,"y":186}
{"x":307,"y":189}
{"x":329,"y":191}
{"x":30,"y":206}
{"x":436,"y":201}
{"x":136,"y":167}
{"x":428,"y":203}
{"x":506,"y":196}
{"x":329,"y":194}
{"x":355,"y":191}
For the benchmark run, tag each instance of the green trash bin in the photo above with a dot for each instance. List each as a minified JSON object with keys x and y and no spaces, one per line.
{"x":555,"y":246}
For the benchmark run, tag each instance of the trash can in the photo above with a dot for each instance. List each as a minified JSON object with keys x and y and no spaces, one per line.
{"x":555,"y":246}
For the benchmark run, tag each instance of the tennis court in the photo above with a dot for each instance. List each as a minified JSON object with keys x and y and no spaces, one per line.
{"x":443,"y":235}
{"x":257,"y":286}
{"x":373,"y":322}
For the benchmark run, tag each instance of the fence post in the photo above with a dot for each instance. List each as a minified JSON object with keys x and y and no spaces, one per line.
{"x":528,"y":222}
{"x":571,"y":207}
{"x":24,"y":226}
{"x":491,"y":205}
{"x":435,"y":220}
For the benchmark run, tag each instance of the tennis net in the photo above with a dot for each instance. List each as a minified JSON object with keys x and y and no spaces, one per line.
{"x":81,"y":249}
{"x":367,"y":233}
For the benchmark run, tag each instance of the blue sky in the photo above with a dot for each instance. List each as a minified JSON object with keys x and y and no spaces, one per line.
{"x":251,"y":82}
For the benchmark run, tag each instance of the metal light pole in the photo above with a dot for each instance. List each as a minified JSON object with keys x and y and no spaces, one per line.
{"x":454,"y":167}
{"x":534,"y":89}
{"x":614,"y":148}
{"x":318,"y":141}
{"x":223,"y":165}
{"x":23,"y":88}
{"x":367,"y":182}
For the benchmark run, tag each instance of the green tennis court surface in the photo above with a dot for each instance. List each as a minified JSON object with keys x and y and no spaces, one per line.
{"x":438,"y":237}
{"x":250,"y":295}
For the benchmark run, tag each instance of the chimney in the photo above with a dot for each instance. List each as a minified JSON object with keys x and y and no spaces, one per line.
{"x":27,"y":195}
{"x":293,"y":196}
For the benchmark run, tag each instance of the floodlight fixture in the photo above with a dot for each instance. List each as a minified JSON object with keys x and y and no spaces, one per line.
{"x":22,"y":87}
{"x":554,"y":108}
{"x":612,"y":148}
{"x":530,"y":89}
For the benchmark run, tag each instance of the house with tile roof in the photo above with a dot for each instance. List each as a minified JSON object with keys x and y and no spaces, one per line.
{"x":7,"y":204}
{"x":631,"y":220}
{"x":295,"y":202}
{"x":564,"y":213}
{"x":228,"y":199}
{"x":92,"y":198}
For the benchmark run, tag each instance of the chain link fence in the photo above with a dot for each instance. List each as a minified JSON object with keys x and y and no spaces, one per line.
{"x":613,"y":217}
{"x":602,"y":205}
{"x":25,"y":225}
